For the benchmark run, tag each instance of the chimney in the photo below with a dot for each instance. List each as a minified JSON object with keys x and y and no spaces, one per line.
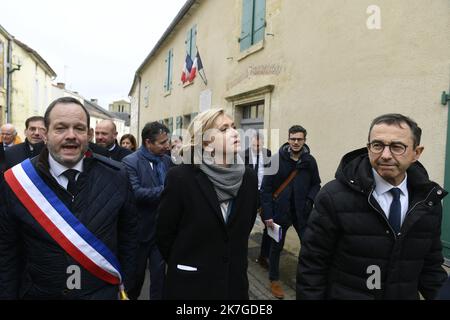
{"x":94,"y":101}
{"x":61,"y":85}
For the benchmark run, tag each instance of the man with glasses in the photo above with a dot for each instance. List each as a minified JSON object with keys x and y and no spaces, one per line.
{"x":33,"y":145}
{"x":375,"y":230}
{"x":288,"y":196}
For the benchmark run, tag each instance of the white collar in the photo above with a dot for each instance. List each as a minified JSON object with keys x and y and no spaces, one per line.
{"x":113,"y":147}
{"x":58,"y":169}
{"x":382,"y":186}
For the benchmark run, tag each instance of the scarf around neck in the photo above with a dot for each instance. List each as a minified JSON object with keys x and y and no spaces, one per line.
{"x":157,"y":162}
{"x":226,"y":180}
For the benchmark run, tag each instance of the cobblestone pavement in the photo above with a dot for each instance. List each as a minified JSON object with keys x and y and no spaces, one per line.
{"x":258,"y":277}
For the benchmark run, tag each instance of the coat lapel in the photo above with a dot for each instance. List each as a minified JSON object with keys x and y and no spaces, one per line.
{"x":209,"y":193}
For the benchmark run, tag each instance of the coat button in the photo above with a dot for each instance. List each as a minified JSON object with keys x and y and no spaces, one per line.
{"x":439,"y":192}
{"x":430,"y":203}
{"x":352,"y":182}
{"x":387,"y":231}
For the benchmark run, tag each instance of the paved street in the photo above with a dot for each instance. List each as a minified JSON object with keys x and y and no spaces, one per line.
{"x":258,"y":276}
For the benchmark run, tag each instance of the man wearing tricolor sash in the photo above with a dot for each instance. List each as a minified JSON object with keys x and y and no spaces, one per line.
{"x":68,"y":223}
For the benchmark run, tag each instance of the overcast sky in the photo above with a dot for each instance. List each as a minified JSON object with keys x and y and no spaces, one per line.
{"x":94,"y":46}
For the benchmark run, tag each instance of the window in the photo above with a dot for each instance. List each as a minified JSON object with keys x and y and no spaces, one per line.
{"x":253,"y":23}
{"x":146,"y":96}
{"x":254,"y":111}
{"x":179,"y":122}
{"x":168,"y":123}
{"x":186,"y":121}
{"x":169,"y":69}
{"x":36,"y":96}
{"x":191,"y":42}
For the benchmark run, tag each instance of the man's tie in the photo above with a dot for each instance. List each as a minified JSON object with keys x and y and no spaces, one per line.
{"x":395,"y":210}
{"x":72,"y":185}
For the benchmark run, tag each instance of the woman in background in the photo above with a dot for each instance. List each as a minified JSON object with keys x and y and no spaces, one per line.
{"x":128,"y":141}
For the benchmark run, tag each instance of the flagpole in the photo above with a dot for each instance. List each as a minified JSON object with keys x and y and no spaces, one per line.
{"x":205,"y":81}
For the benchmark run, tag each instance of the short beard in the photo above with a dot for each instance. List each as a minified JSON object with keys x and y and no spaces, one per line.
{"x":107,"y":146}
{"x":65,"y":163}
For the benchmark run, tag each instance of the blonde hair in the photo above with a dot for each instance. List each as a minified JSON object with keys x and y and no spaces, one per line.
{"x":196,"y":130}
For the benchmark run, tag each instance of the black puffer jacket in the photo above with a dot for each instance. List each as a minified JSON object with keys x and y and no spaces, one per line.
{"x":34,"y":266}
{"x":348,"y":232}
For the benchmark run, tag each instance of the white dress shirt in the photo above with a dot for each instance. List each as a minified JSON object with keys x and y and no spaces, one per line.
{"x":225,"y":210}
{"x":8,"y":145}
{"x":384,"y":197}
{"x":57,"y":170}
{"x":260,"y":166}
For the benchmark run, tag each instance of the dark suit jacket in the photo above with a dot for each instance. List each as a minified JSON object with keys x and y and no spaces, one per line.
{"x":2,"y":159}
{"x":191,"y":231}
{"x":20,"y":152}
{"x":248,"y":160}
{"x":95,"y":148}
{"x":119,"y":153}
{"x":147,"y":191}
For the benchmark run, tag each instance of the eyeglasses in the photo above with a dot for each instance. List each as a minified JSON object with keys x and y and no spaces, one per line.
{"x":396,"y":148}
{"x":297,"y":139}
{"x":33,"y":129}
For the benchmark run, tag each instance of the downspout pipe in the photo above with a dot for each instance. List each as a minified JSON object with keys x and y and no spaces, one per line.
{"x":8,"y":82}
{"x":139,"y":111}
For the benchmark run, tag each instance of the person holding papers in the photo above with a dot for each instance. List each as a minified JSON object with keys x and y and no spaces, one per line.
{"x":288,"y":196}
{"x":207,"y":210}
{"x":68,"y":224}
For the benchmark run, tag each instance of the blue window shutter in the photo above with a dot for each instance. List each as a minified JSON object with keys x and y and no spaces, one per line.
{"x":170,"y":125}
{"x":259,"y":23}
{"x":170,"y":69}
{"x":189,"y":42}
{"x":179,"y":122}
{"x":166,"y":88}
{"x":247,"y":24}
{"x":194,"y":42}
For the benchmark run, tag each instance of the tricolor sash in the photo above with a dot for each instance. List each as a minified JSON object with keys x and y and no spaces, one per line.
{"x":53,"y":215}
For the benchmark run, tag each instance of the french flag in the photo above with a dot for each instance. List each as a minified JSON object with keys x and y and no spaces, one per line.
{"x":187,"y":69}
{"x":197,"y":66}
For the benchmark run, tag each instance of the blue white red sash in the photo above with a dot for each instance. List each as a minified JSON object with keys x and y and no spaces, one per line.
{"x":51,"y":213}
